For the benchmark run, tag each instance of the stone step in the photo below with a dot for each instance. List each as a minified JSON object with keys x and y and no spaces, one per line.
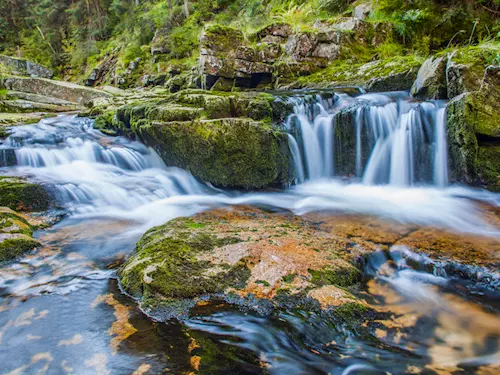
{"x":51,"y":88}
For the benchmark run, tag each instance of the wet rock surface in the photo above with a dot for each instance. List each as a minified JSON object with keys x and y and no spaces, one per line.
{"x":241,"y":255}
{"x":15,"y":235}
{"x":273,"y":261}
{"x":474,"y":133}
{"x":19,"y":194}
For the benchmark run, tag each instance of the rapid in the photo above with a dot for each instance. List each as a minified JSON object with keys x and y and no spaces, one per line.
{"x":61,"y":308}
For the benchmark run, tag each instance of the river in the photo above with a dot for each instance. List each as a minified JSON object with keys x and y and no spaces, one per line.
{"x":62,"y":311}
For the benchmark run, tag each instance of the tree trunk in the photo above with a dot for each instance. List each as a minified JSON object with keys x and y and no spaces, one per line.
{"x":186,"y":8}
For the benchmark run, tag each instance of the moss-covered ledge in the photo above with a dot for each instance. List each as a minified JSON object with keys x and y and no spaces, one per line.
{"x":227,"y":139}
{"x":231,"y":152}
{"x":394,"y":74}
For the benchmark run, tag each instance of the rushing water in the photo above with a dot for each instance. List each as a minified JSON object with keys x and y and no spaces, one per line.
{"x":379,"y":138}
{"x":61,"y":311}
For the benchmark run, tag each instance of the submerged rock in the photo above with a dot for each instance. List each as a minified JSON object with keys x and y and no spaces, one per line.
{"x":15,"y":235}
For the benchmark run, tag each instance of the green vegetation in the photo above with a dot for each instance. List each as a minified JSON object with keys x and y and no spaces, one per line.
{"x":215,"y":124}
{"x":342,"y":277}
{"x":15,"y":235}
{"x":73,"y":37}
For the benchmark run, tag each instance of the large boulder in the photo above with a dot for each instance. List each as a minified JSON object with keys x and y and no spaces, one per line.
{"x":431,"y":80}
{"x":230,"y":255}
{"x":267,"y":261}
{"x":233,"y":152}
{"x":22,"y":67}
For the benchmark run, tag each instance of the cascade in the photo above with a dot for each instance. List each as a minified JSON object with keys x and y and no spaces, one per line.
{"x":376,"y":138}
{"x":90,"y":172}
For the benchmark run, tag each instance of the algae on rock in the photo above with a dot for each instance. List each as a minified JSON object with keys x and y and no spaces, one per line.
{"x":18,"y":194}
{"x":15,"y":235}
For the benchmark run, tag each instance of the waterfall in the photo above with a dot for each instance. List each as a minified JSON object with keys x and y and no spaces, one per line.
{"x":377,"y":138}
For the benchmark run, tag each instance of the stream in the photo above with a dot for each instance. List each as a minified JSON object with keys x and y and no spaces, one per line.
{"x":62,"y":311}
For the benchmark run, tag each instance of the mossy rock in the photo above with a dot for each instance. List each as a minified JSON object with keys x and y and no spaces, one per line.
{"x":10,"y":119}
{"x":431,"y":80}
{"x":12,"y":222}
{"x":488,"y":165}
{"x":20,"y":195}
{"x":466,"y":66}
{"x":397,"y":73}
{"x":15,"y":245}
{"x":232,"y":152}
{"x":250,"y":258}
{"x":15,"y":235}
{"x":220,"y":39}
{"x":236,"y":144}
{"x":474,"y":133}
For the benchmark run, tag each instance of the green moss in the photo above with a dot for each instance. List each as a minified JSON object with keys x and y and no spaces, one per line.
{"x":289,"y":278}
{"x":18,"y":194}
{"x":481,"y":55}
{"x":342,"y":277}
{"x":22,"y":118}
{"x":11,"y":222}
{"x":230,"y":152}
{"x":262,"y":282}
{"x":168,"y":257}
{"x":488,"y":165}
{"x":219,"y":39}
{"x":403,"y":68}
{"x":352,"y":313}
{"x":15,"y":246}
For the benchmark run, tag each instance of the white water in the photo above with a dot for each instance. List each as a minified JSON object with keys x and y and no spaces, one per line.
{"x":395,"y":141}
{"x":95,"y":176}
